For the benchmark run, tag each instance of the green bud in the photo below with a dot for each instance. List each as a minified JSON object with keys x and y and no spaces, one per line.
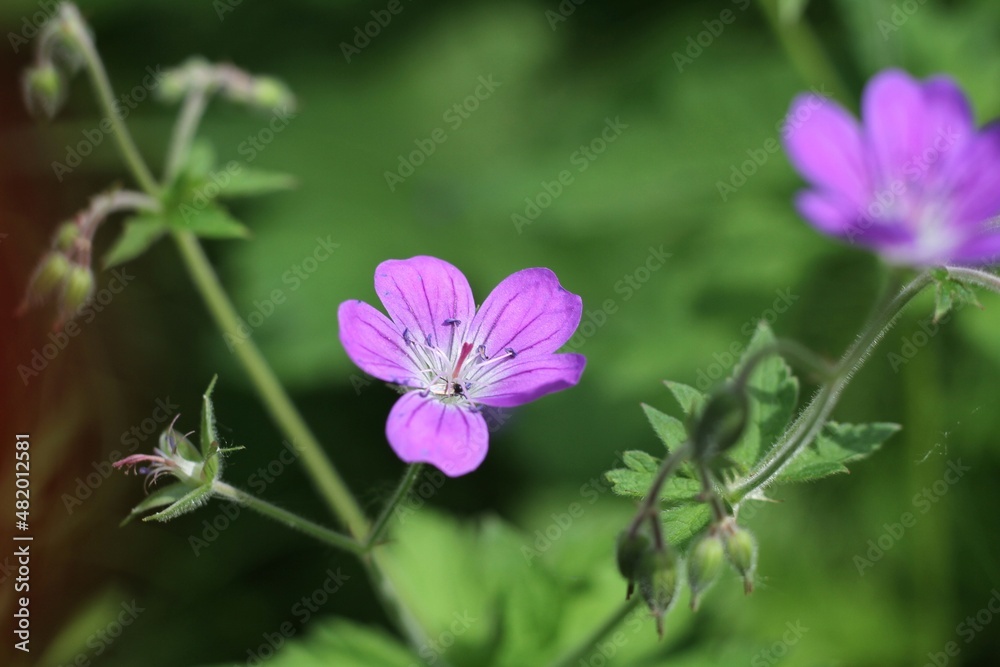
{"x":741,"y":548}
{"x":630,"y":551}
{"x":66,"y":236}
{"x":721,"y":423}
{"x":269,"y":93}
{"x":44,"y":90}
{"x":658,"y":577}
{"x":704,"y":565}
{"x":78,"y":289}
{"x":51,"y":272}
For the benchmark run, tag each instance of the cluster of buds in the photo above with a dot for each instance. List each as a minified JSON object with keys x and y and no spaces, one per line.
{"x":65,"y":269}
{"x":652,"y":565}
{"x":707,"y":556}
{"x":60,"y":52}
{"x":198,"y":76}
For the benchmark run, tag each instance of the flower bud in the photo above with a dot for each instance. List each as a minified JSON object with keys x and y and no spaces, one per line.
{"x":741,"y":548}
{"x":66,"y":236}
{"x":704,"y":565}
{"x":721,"y":423}
{"x":269,"y":93}
{"x":44,"y":89}
{"x":658,"y":578}
{"x":78,"y":289}
{"x":51,"y":272}
{"x":630,"y":551}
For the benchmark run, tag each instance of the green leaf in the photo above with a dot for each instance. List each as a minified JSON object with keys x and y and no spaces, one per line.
{"x":836,"y":445}
{"x":187,"y":503}
{"x":950,"y":294}
{"x":159,"y":498}
{"x":773,"y":394}
{"x":246,"y":182}
{"x":140,"y":232}
{"x":691,"y":400}
{"x":682,"y":524}
{"x":209,"y":221}
{"x":208,"y":434}
{"x":635,"y":480}
{"x":670,"y":430}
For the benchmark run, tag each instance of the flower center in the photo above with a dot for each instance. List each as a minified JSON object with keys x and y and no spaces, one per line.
{"x":456,"y":381}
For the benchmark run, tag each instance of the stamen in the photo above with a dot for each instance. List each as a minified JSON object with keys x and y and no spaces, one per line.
{"x":406,"y":337}
{"x":451,"y":322}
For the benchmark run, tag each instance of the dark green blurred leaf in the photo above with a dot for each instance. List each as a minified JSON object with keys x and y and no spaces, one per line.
{"x":247,"y":182}
{"x":159,"y":498}
{"x":138,"y":235}
{"x":211,"y":222}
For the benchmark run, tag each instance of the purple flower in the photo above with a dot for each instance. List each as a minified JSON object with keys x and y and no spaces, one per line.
{"x":916,"y":182}
{"x":455,"y":359}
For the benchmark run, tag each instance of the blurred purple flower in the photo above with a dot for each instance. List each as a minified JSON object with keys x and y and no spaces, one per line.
{"x":457,"y":360}
{"x":915,"y":181}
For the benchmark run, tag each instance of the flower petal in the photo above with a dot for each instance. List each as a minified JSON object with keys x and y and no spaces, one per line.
{"x":429,"y":298}
{"x":529,"y":312}
{"x":452,"y":438}
{"x":824,"y":143}
{"x":374,"y":343}
{"x":976,"y":191}
{"x":516,"y":381}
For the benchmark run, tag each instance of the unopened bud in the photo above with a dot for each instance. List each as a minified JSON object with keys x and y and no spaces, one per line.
{"x":630,"y":551}
{"x":658,"y":578}
{"x":269,"y":93}
{"x":66,"y":236}
{"x":78,"y":289}
{"x":704,"y":565}
{"x":44,"y":89}
{"x":741,"y":548}
{"x":721,"y":423}
{"x":51,"y":272}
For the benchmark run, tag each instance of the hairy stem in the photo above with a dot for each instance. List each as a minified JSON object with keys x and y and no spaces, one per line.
{"x":184,"y":131}
{"x":381,"y":523}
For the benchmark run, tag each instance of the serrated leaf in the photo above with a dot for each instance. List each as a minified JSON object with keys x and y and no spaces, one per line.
{"x":187,"y":503}
{"x":949,"y":294}
{"x":635,"y":480}
{"x":139,"y":234}
{"x":246,"y":182}
{"x":773,"y":394}
{"x":670,"y":430}
{"x":165,"y":496}
{"x":681,"y":524}
{"x":836,"y":445}
{"x":208,"y":434}
{"x":208,"y":221}
{"x":690,"y":399}
{"x":640,"y":461}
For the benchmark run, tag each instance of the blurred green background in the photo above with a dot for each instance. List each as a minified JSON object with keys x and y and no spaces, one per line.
{"x":654,"y":188}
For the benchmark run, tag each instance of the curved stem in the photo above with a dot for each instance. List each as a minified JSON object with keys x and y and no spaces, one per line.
{"x":272,"y":393}
{"x":812,"y":418}
{"x":410,"y":478}
{"x":652,"y":499}
{"x":77,"y":29}
{"x":310,"y":528}
{"x":579,"y":654}
{"x":184,"y":131}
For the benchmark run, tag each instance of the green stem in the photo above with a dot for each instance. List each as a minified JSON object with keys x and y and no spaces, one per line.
{"x":334,"y":539}
{"x":409,"y":479}
{"x":579,"y":654}
{"x":184,"y":131}
{"x":272,"y":393}
{"x":805,"y":51}
{"x":652,"y":499}
{"x":77,"y":30}
{"x":814,"y":416}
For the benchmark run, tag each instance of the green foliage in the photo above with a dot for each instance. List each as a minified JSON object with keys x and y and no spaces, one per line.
{"x":773,"y":392}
